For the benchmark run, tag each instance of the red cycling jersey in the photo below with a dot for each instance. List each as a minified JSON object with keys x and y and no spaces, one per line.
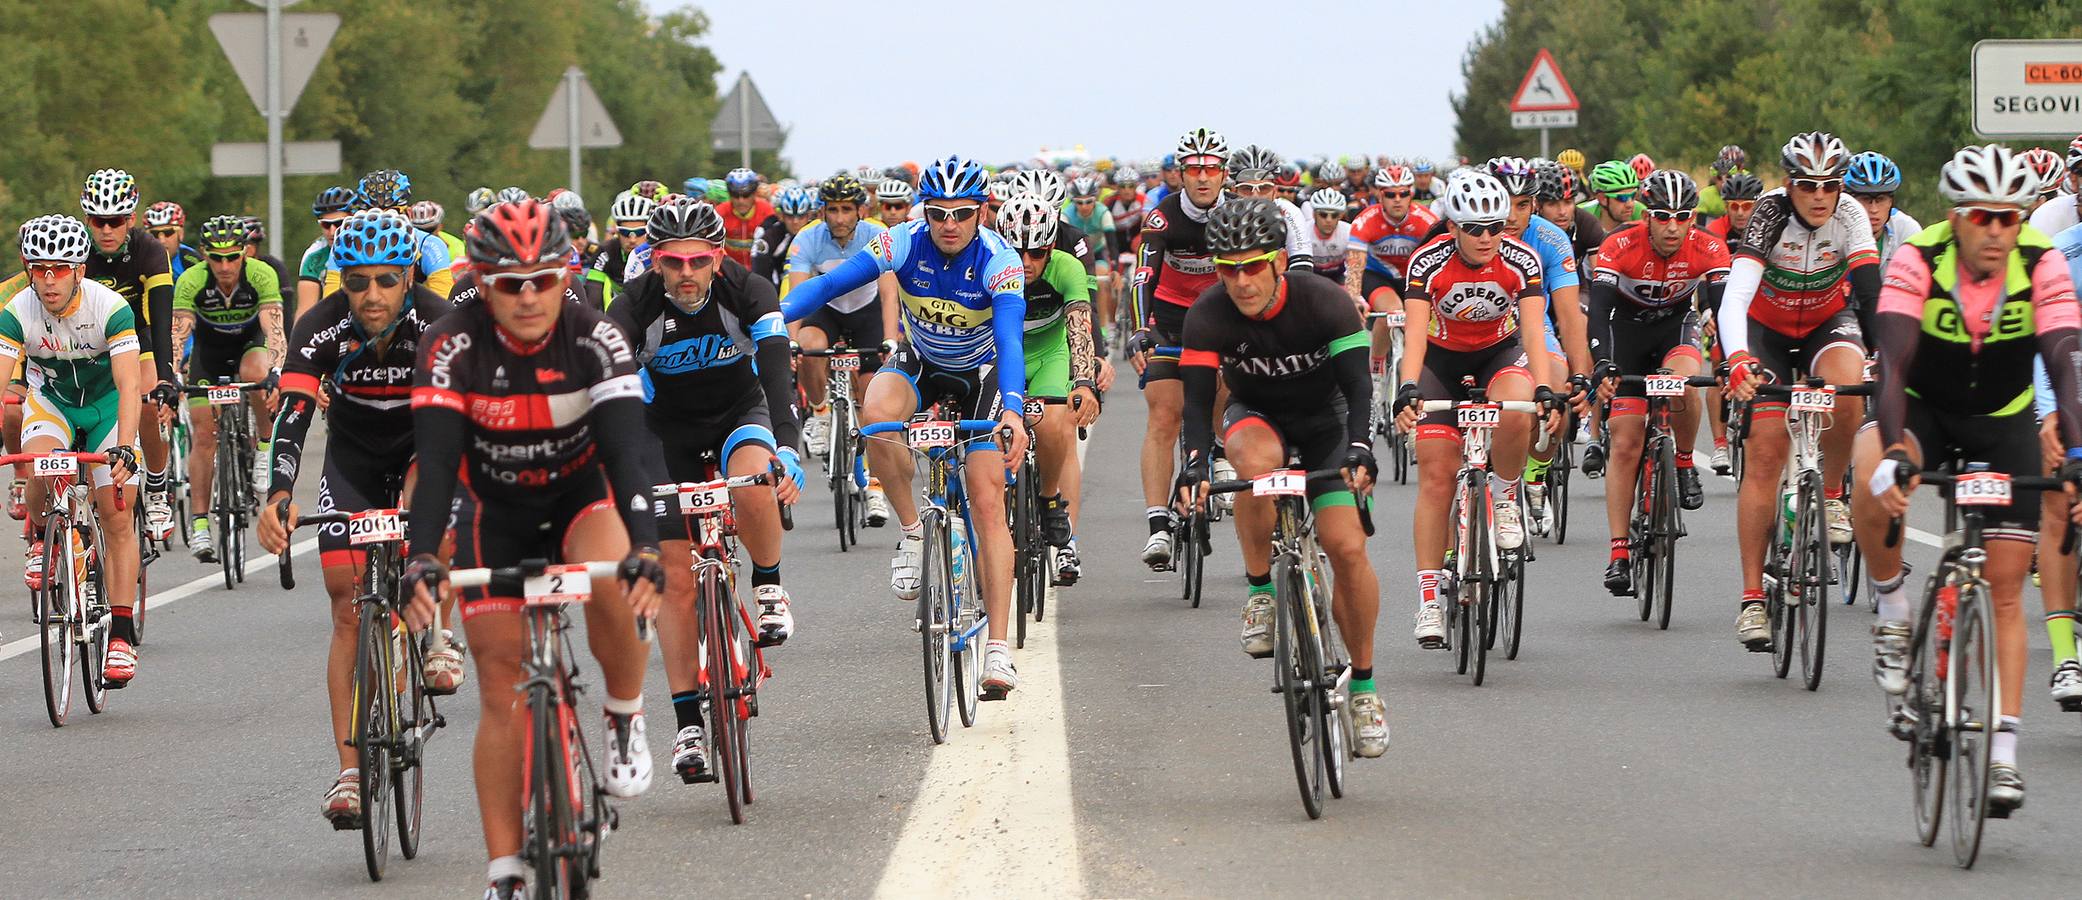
{"x":1473,"y":307}
{"x":1655,"y":285}
{"x":740,"y":232}
{"x":1389,"y":245}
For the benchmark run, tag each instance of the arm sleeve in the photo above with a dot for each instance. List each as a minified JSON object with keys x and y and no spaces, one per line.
{"x":1198,"y":364}
{"x":159,"y":316}
{"x":1349,"y":362}
{"x":819,"y":290}
{"x":1604,"y":297}
{"x":1008,"y":322}
{"x":1744,"y":275}
{"x":2056,"y":317}
{"x":1149,"y":265}
{"x":438,"y":434}
{"x":1865,"y":293}
{"x":1299,"y":249}
{"x":772,"y":358}
{"x":292,"y":424}
{"x":618,"y":429}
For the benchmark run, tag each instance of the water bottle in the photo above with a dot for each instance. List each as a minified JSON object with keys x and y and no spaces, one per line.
{"x":959,"y":561}
{"x":1785,"y":513}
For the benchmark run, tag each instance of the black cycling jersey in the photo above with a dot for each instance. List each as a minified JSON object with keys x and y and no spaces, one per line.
{"x":525,"y":422}
{"x":369,"y":378}
{"x":1308,"y":348}
{"x":1175,"y":265}
{"x":770,"y":250}
{"x":1072,"y":240}
{"x":703,"y":362}
{"x":610,"y":261}
{"x":140,"y":272}
{"x":1586,"y":234}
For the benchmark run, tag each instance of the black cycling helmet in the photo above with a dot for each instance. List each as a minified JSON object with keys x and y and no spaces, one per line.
{"x":331,"y":200}
{"x":842,"y":189}
{"x":686,"y":219}
{"x":1249,"y":224}
{"x":1669,"y":190}
{"x":1741,"y":186}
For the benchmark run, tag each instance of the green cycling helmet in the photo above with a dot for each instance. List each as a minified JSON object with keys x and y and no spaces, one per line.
{"x":718,"y":191}
{"x":1614,"y":176}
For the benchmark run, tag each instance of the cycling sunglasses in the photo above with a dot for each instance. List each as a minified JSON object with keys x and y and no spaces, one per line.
{"x":515,"y":282}
{"x":234,"y":256}
{"x":109,"y":221}
{"x":1671,"y":215}
{"x":1252,"y":266}
{"x":896,"y":206}
{"x":1627,"y":197}
{"x":1984,"y":217}
{"x":1482,"y":229}
{"x":332,"y":224}
{"x":1037,"y":252}
{"x":938,"y":214}
{"x":356,"y":284}
{"x":1736,"y":206}
{"x":52,"y":270}
{"x":165,"y":232}
{"x":630,"y":232}
{"x":1397,"y":195}
{"x":1201,"y":171}
{"x":691,"y":262}
{"x":1818,"y":185}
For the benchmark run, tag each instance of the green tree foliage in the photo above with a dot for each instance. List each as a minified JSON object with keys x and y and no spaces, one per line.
{"x":446,"y":90}
{"x":1676,"y":79}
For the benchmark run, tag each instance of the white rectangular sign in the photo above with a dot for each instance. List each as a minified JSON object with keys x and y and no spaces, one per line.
{"x":2026,"y":89}
{"x":298,"y":158}
{"x":1553,"y":118}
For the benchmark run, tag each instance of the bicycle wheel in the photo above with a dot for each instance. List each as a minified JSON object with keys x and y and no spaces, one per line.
{"x":1512,"y":607}
{"x":550,"y":820}
{"x":147,"y":553}
{"x":59,"y":619}
{"x":415,"y":716}
{"x":1192,"y":555}
{"x":1663,"y":564}
{"x":933,"y":625}
{"x":1813,"y":565}
{"x":840,"y":461}
{"x":1777,"y":566}
{"x":967,"y":612}
{"x":92,"y":635}
{"x":1335,"y":723}
{"x":1479,"y":594}
{"x":1296,"y":667}
{"x":1026,"y":528}
{"x":745,"y":686}
{"x":375,"y":690}
{"x":1972,"y":717}
{"x":1647,"y":487}
{"x":1920,"y":719}
{"x":719,"y":629}
{"x":1558,"y":475}
{"x":221,"y":503}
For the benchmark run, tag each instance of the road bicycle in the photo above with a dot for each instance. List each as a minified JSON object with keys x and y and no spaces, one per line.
{"x":842,"y":462}
{"x":71,"y":609}
{"x":1799,"y":563}
{"x":1658,"y":518}
{"x":1397,"y":463}
{"x":233,"y":498}
{"x":1485,"y":596}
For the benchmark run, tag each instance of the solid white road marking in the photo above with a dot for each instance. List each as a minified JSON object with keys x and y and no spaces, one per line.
{"x":157,"y":601}
{"x":1912,"y":532}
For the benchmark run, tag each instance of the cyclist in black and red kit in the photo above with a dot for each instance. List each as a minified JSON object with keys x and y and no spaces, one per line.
{"x":527,"y":414}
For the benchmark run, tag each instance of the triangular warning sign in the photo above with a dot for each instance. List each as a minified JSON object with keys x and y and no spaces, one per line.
{"x":1544,"y":88}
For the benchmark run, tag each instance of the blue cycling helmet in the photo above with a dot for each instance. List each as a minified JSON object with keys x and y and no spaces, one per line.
{"x":1872,"y":173}
{"x":741,"y":182}
{"x":696,"y":186}
{"x":331,"y":200}
{"x":375,"y":238}
{"x":1170,"y":161}
{"x":795,"y":201}
{"x":384,"y":189}
{"x":953,"y":178}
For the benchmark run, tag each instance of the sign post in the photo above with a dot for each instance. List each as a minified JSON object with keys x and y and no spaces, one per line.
{"x":574,"y":119}
{"x":253,"y":44}
{"x":1544,"y":99}
{"x":2027,"y":89}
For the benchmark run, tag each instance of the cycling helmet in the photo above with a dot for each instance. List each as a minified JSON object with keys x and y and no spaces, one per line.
{"x":952,"y":178}
{"x":256,"y":230}
{"x":478,"y":200}
{"x":2043,"y":162}
{"x":1330,"y":173}
{"x":894,"y":190}
{"x":1287,"y":175}
{"x":1394,"y":177}
{"x":109,"y":192}
{"x":1353,"y":163}
{"x":1420,"y":166}
{"x":1253,"y":223}
{"x":1741,"y":186}
{"x":1125,"y":177}
{"x":684,"y":220}
{"x":426,"y":214}
{"x":375,"y":238}
{"x":565,"y":198}
{"x":652,"y":190}
{"x":1815,"y":154}
{"x":518,"y":233}
{"x":741,"y":182}
{"x":1669,"y":189}
{"x":2075,"y":155}
{"x":1202,"y":142}
{"x":1088,"y":186}
{"x":1169,"y":162}
{"x":1028,"y":221}
{"x":331,"y":200}
{"x":1001,"y":188}
{"x":795,"y":201}
{"x":55,"y":239}
{"x":1987,"y":174}
{"x":1042,"y":183}
{"x":165,"y":213}
{"x":384,"y":189}
{"x":1641,"y":165}
{"x":1549,"y":180}
{"x":1253,"y":163}
{"x":1515,"y":173}
{"x":1613,"y":177}
{"x":1571,"y":158}
{"x":223,"y":233}
{"x":718,"y":192}
{"x":1871,"y":173}
{"x":1477,"y":197}
{"x":631,"y":207}
{"x":841,"y":189}
{"x":513,"y":195}
{"x":1730,"y":159}
{"x":1327,"y":200}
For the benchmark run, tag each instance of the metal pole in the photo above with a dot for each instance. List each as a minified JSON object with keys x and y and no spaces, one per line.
{"x":273,"y":114}
{"x":1543,"y":145}
{"x":572,"y":79}
{"x":744,"y":119}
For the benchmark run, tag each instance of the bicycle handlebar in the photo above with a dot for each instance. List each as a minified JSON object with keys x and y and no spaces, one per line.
{"x":1906,"y":472}
{"x":864,"y":353}
{"x":1517,"y":406}
{"x":99,"y":459}
{"x":511,"y":576}
{"x":335,"y":517}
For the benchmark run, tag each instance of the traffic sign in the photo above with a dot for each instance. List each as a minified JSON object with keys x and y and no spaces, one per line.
{"x":1559,"y":118}
{"x":2027,"y":89}
{"x":743,"y":120}
{"x":304,"y":39}
{"x":595,"y":127}
{"x":298,"y":158}
{"x":1544,"y":88}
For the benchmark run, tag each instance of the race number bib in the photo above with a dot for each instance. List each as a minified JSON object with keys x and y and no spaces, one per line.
{"x":1816,"y":400}
{"x":374,"y":526}
{"x":1664,"y":385}
{"x":1280,"y":483}
{"x":223,"y":396}
{"x":1981,"y":489}
{"x":929,"y":435}
{"x":558,"y":585}
{"x":54,"y":465}
{"x":704,"y":499}
{"x":1480,"y":415}
{"x":848,"y":363}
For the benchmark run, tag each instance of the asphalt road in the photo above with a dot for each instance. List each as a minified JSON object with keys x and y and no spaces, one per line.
{"x":1143,"y":756}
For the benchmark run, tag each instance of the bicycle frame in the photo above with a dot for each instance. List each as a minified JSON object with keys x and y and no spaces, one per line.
{"x":946,"y":493}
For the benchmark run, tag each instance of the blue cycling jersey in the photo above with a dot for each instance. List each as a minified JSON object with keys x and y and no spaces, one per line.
{"x":814,"y":253}
{"x":960,"y":312}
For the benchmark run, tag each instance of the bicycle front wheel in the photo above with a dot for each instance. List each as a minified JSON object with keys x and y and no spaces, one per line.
{"x":1920,"y":719}
{"x":415,"y":717}
{"x":60,"y":617}
{"x":375,"y":690}
{"x":966,"y":613}
{"x":1558,"y":475}
{"x":1813,"y":571}
{"x":1663,"y":564}
{"x":1972,"y":716}
{"x":93,"y":633}
{"x":1297,"y":666}
{"x":553,"y":796}
{"x":1191,"y":554}
{"x":721,"y":632}
{"x":933,"y":626}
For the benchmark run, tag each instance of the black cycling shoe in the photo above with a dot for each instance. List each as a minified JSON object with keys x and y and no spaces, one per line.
{"x":1055,"y":521}
{"x":1594,"y":459}
{"x":1690,"y":494}
{"x":1619,"y":576}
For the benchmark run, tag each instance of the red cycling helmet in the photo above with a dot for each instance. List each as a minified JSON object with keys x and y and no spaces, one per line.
{"x":1641,"y":165}
{"x":520,"y":233}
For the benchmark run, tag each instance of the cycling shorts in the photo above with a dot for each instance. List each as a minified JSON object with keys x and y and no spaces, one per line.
{"x":973,"y":393}
{"x":503,"y":531}
{"x":355,"y":479}
{"x":216,"y":356}
{"x":1444,"y":369}
{"x":1168,"y":325}
{"x":1315,"y":435}
{"x":2008,"y":444}
{"x":1642,"y":348}
{"x":1371,"y":281}
{"x":1785,"y":357}
{"x":88,"y":429}
{"x":859,"y":329}
{"x":683,"y":450}
{"x":1048,"y":365}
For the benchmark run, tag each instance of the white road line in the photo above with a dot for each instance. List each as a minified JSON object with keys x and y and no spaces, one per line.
{"x":1912,"y":532}
{"x":161,"y":599}
{"x":994,"y":817}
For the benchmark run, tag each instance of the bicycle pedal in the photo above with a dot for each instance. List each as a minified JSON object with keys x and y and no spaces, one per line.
{"x":2072,"y":704}
{"x":992,"y":694}
{"x":697,"y":777}
{"x":1758,"y":646}
{"x":345,"y":823}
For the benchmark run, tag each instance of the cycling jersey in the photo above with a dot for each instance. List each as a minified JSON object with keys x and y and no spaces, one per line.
{"x":1049,"y":297}
{"x":140,"y":274}
{"x":697,"y":364}
{"x":2056,"y":215}
{"x":1125,"y":206}
{"x":611,"y":261}
{"x":183,"y":259}
{"x":739,"y":231}
{"x":315,"y":258}
{"x":1899,"y":228}
{"x":1098,"y":226}
{"x":1587,"y":234}
{"x":1791,"y":277}
{"x":1473,"y":307}
{"x":1175,"y":266}
{"x":369,"y":377}
{"x":1300,"y":251}
{"x":960,"y":312}
{"x":815,"y":253}
{"x":70,"y":356}
{"x":770,"y":250}
{"x":1389,"y":244}
{"x":432,"y":266}
{"x":230,"y":312}
{"x":1557,"y":255}
{"x":1329,"y":250}
{"x":1646,"y":286}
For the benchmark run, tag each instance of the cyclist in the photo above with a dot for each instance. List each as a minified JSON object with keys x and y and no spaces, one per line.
{"x":127,"y":260}
{"x":1872,"y":180}
{"x":630,"y":216}
{"x":1294,"y":353}
{"x":1474,"y":303}
{"x":2046,"y":165}
{"x":1739,"y":193}
{"x":1612,"y":185}
{"x":1174,"y":269}
{"x":1731,"y":158}
{"x":331,"y":209}
{"x":714,"y":352}
{"x":744,"y":213}
{"x":1649,"y":281}
{"x":599,"y":290}
{"x":1251,"y":174}
{"x":168,"y":223}
{"x":895,"y":199}
{"x":1060,"y":366}
{"x":255,"y":237}
{"x":362,"y":339}
{"x":238,"y":304}
{"x":794,"y":207}
{"x":1555,"y":187}
{"x":2059,"y":214}
{"x":390,"y":189}
{"x":1977,"y":293}
{"x":1803,"y":273}
{"x":74,"y":341}
{"x":861,"y":318}
{"x":963,"y":301}
{"x":1383,"y":238}
{"x":1331,"y":239}
{"x":2056,"y":571}
{"x":533,"y":486}
{"x":1085,"y":213}
{"x":1560,"y":281}
{"x":426,"y":216}
{"x":1423,"y":182}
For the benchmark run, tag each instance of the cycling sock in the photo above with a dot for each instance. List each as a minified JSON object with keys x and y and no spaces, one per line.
{"x":1720,"y":443}
{"x":504,"y":867}
{"x":1536,"y":469}
{"x":764,"y":575}
{"x":2004,"y":748}
{"x":1834,"y":491}
{"x":2060,"y":629}
{"x":155,"y":482}
{"x":1620,"y":550}
{"x":1894,"y":606}
{"x":995,"y":646}
{"x":1159,"y":519}
{"x":350,"y":770}
{"x":915,"y":530}
{"x":1750,"y":596}
{"x":623,"y":707}
{"x":1428,"y":584}
{"x":686,"y":708}
{"x":121,"y":627}
{"x":1262,"y":584}
{"x":1362,"y":680}
{"x":266,"y":447}
{"x":1684,"y":459}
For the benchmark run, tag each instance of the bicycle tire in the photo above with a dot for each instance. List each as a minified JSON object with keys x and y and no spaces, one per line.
{"x":1972,"y":716}
{"x":1643,"y":521}
{"x":1664,"y":561}
{"x":967,"y":612}
{"x":1024,"y":529}
{"x":1776,"y":566}
{"x":839,"y":456}
{"x":1513,"y":607}
{"x":1192,"y":554}
{"x":1920,"y":722}
{"x":57,"y":620}
{"x":145,"y":557}
{"x":1336,"y":724}
{"x":220,"y":506}
{"x":550,"y":825}
{"x":1558,"y":475}
{"x":933,"y":626}
{"x":93,"y":636}
{"x":722,"y":688}
{"x":745,"y":704}
{"x":408,"y":774}
{"x":375,"y":690}
{"x":1816,"y":562}
{"x":1292,"y":681}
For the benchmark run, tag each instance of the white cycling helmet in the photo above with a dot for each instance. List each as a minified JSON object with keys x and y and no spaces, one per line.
{"x":1327,"y":199}
{"x":894,"y":190}
{"x":631,"y":207}
{"x":109,"y":192}
{"x":1027,"y":221}
{"x":1815,"y":154}
{"x":1043,"y":183}
{"x":55,"y":239}
{"x":1474,"y":196}
{"x":1202,"y":142}
{"x":1001,"y":188}
{"x":1988,"y":174}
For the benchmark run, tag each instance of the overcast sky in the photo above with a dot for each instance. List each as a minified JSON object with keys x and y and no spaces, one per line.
{"x":917,"y":79}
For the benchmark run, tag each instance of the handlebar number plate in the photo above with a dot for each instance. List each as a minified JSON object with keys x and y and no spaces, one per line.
{"x":1395,"y":319}
{"x":223,"y":396}
{"x":704,"y":499}
{"x":928,"y":435}
{"x":375,"y":526}
{"x":1280,"y":483}
{"x":1981,"y":489}
{"x":558,"y":585}
{"x":847,"y":363}
{"x":1480,"y":415}
{"x":54,"y":465}
{"x":1664,"y":385}
{"x":1814,"y":400}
